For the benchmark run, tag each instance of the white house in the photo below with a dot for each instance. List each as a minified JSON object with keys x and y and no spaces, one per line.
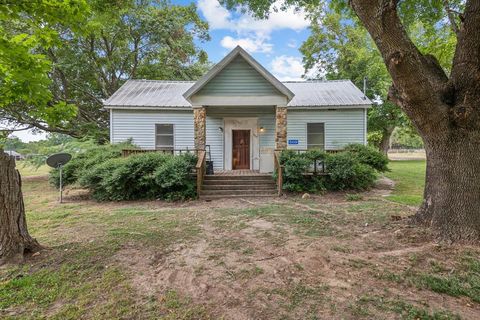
{"x":241,"y":111}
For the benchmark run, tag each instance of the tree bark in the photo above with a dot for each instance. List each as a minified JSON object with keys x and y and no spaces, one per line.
{"x":385,"y":142}
{"x":15,"y":240}
{"x":451,"y":204}
{"x":444,"y":109}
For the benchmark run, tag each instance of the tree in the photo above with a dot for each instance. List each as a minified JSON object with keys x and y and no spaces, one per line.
{"x":443,"y":107}
{"x":339,"y":50}
{"x":14,"y":143}
{"x":24,"y":81}
{"x":119,"y":40}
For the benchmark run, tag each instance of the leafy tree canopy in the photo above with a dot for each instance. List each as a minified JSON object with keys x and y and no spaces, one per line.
{"x":118,"y":40}
{"x":24,"y":78}
{"x":339,"y":47}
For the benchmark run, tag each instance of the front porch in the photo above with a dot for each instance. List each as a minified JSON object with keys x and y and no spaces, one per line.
{"x":241,"y":172}
{"x":240,"y":138}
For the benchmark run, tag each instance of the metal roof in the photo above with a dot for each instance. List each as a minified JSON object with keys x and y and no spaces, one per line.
{"x":169,"y":94}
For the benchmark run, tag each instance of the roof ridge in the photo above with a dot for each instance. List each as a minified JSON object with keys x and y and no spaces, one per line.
{"x":316,"y":81}
{"x":163,"y":81}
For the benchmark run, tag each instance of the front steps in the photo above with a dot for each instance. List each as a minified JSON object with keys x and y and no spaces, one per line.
{"x":241,"y":186}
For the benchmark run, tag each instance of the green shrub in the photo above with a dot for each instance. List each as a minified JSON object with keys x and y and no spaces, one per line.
{"x":295,"y":165}
{"x":347,"y":172}
{"x":142,"y":176}
{"x":369,"y":156}
{"x":84,"y":160}
{"x":174,"y":179}
{"x":93,"y":178}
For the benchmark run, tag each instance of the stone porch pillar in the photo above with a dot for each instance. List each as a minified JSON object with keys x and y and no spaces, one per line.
{"x":199,"y":125}
{"x":280,"y":127}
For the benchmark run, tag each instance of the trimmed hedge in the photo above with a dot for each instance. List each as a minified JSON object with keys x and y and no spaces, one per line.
{"x":83,"y":161}
{"x":150,"y":175}
{"x":369,"y":155}
{"x":353,"y":169}
{"x":142,"y":176}
{"x":346,"y":172}
{"x":295,"y":165}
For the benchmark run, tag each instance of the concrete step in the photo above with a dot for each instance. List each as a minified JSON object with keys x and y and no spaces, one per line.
{"x":229,"y":193}
{"x":262,"y":186}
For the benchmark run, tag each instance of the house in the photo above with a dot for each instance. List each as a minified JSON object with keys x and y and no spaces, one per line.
{"x":241,"y":111}
{"x":13,"y":154}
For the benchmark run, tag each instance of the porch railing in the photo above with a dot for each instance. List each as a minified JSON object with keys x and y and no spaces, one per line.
{"x":200,"y":168}
{"x":317,"y":168}
{"x":129,"y":152}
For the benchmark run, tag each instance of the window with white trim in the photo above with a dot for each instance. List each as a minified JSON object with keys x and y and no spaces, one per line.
{"x":164,"y":137}
{"x":316,"y":136}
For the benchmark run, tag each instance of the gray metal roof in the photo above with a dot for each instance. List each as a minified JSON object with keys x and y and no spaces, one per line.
{"x":169,"y":94}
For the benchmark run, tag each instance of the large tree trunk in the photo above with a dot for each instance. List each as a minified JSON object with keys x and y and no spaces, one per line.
{"x":15,"y":240}
{"x":451,"y":204}
{"x":445,"y":109}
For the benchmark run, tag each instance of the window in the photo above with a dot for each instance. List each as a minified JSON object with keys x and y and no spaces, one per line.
{"x":316,"y":136}
{"x":164,"y":137}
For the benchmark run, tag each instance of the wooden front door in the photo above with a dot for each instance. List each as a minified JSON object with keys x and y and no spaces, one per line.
{"x":240,"y":149}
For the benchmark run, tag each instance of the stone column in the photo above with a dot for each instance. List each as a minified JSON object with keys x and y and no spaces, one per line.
{"x":199,"y":125}
{"x":280,"y":127}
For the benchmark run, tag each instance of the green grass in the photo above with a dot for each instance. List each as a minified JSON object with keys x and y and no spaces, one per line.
{"x":89,"y":268}
{"x":461,"y":281}
{"x":409,"y":177}
{"x":28,"y":170}
{"x":363,"y":307}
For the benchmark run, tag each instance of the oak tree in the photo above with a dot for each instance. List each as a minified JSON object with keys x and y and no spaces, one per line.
{"x":25,"y":82}
{"x":119,"y":40}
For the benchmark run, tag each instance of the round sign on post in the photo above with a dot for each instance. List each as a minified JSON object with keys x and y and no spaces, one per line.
{"x":57,"y":161}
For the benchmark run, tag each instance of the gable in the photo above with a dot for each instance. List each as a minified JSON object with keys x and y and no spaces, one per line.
{"x":238,"y":78}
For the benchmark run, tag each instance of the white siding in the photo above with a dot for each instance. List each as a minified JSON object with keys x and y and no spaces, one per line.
{"x":139,"y":125}
{"x":215,"y":115}
{"x":342,"y":126}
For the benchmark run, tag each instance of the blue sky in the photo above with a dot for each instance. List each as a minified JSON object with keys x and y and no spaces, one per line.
{"x":273,"y":42}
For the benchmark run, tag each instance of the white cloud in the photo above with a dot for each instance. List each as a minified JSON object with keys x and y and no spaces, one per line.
{"x":292,"y":43}
{"x":249,"y":44}
{"x":287,"y":68}
{"x":253,"y":32}
{"x":217,"y":16}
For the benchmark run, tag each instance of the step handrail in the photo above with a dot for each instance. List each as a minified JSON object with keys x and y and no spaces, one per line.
{"x":279,"y":170}
{"x":200,"y":168}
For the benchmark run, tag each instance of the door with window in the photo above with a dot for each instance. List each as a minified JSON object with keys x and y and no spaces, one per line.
{"x":240,"y":149}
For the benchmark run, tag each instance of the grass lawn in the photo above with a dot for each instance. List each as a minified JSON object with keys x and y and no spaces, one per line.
{"x":28,"y":171}
{"x":327,"y":257}
{"x":409,"y":177}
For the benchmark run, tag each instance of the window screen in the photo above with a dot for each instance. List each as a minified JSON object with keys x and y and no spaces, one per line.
{"x":316,"y":136}
{"x":164,"y":137}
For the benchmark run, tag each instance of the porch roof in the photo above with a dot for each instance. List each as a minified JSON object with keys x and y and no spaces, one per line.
{"x":169,"y":94}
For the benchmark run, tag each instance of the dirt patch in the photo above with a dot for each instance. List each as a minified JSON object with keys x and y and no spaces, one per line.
{"x":245,"y":275}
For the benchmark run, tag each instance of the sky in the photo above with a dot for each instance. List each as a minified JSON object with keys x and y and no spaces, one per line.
{"x":274,"y":42}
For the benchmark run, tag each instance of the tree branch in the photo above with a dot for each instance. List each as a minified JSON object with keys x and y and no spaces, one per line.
{"x":451,"y":16}
{"x":417,"y":79}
